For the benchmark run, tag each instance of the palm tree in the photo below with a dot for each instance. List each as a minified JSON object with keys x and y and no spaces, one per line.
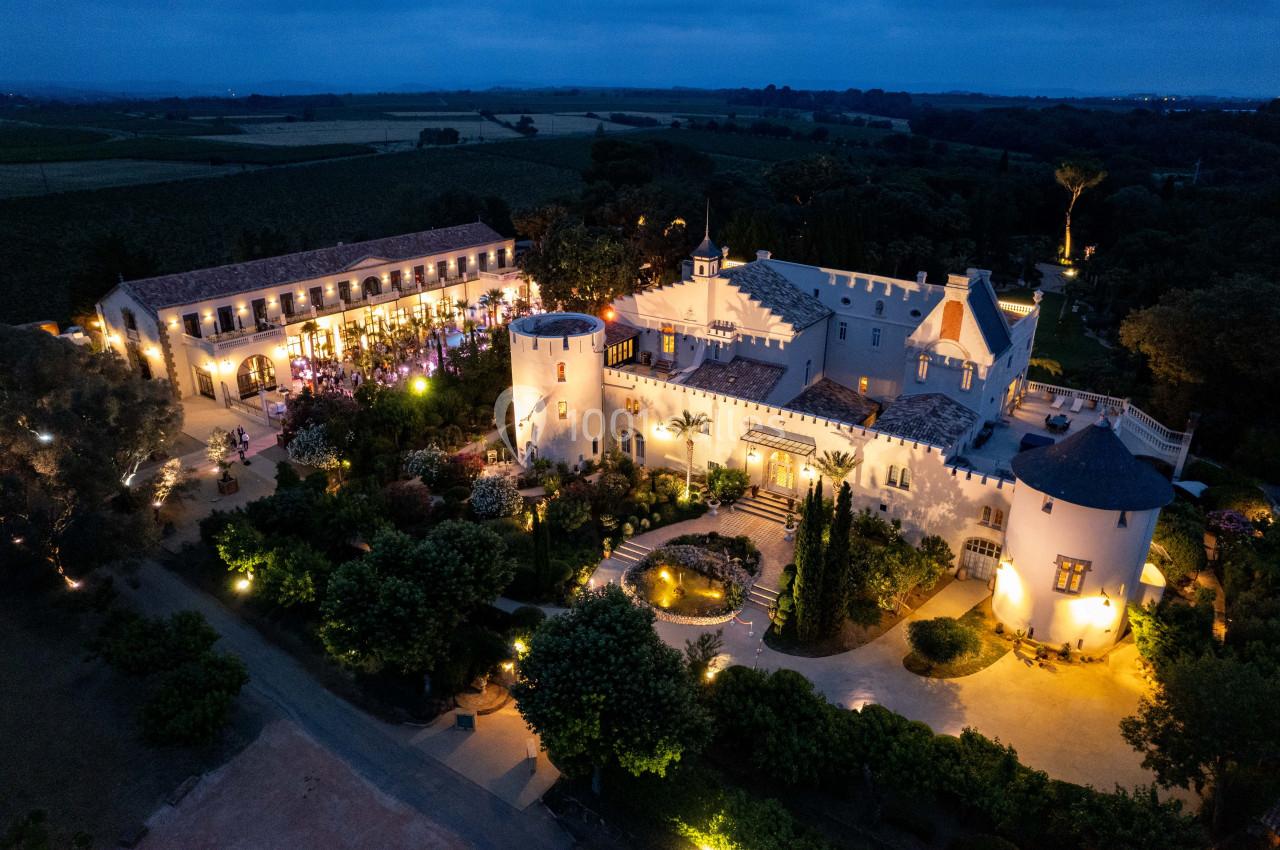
{"x":1075,"y":177}
{"x":685,"y":426}
{"x":491,"y":301}
{"x":310,"y":328}
{"x":836,"y":465}
{"x":462,"y":305}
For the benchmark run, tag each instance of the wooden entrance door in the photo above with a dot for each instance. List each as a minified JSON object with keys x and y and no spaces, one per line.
{"x":781,"y":473}
{"x":204,"y":384}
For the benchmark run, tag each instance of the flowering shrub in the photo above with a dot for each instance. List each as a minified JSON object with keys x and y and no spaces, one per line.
{"x":495,"y":496}
{"x":426,"y":464}
{"x":1229,"y":523}
{"x":714,"y":565}
{"x":310,"y":446}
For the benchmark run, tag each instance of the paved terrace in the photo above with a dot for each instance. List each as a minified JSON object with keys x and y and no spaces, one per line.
{"x":1140,"y":433}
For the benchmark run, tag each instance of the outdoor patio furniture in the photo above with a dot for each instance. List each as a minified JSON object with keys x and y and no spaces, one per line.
{"x":1057,"y":424}
{"x":1077,"y":404}
{"x":1034,"y":441}
{"x":1058,"y":402}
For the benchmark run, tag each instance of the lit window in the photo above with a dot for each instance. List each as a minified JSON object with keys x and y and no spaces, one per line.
{"x":966,"y":377}
{"x":875,"y":337}
{"x":1123,"y":522}
{"x":563,"y":409}
{"x":1070,"y":575}
{"x":560,"y":372}
{"x":668,"y":340}
{"x":892,"y":480}
{"x":843,"y":331}
{"x":1047,"y":506}
{"x":922,"y":368}
{"x":863,"y":383}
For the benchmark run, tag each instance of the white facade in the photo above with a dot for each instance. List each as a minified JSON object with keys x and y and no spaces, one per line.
{"x":231,"y":331}
{"x":1068,"y":573}
{"x":789,"y":361}
{"x":557,"y":378}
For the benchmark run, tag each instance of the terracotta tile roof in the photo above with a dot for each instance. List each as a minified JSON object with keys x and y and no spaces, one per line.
{"x":741,"y":377}
{"x":616,"y":332}
{"x":777,"y":294}
{"x":927,"y":417}
{"x":834,"y":401}
{"x":187,"y":287}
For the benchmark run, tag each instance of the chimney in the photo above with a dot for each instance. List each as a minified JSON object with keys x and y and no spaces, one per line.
{"x":764,"y":255}
{"x":922,"y":278}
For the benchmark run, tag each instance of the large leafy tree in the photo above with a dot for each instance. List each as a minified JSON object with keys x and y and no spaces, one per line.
{"x":75,"y":427}
{"x":582,"y":268}
{"x":398,"y":605}
{"x":602,"y":690}
{"x":1210,"y":716}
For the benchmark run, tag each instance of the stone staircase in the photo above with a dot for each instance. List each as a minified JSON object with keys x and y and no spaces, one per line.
{"x":766,"y":505}
{"x":761,"y":596}
{"x":630,"y":553}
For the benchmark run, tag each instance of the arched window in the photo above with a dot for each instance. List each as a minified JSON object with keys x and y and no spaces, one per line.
{"x":892,"y":479}
{"x":255,"y":373}
{"x":966,"y":377}
{"x":560,"y":372}
{"x":904,"y":478}
{"x":922,"y":368}
{"x":879,"y":308}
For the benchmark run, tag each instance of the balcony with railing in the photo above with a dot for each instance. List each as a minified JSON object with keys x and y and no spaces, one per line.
{"x":216,"y":344}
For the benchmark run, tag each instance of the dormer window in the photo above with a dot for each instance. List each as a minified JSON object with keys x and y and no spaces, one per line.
{"x":966,"y":377}
{"x":922,"y":368}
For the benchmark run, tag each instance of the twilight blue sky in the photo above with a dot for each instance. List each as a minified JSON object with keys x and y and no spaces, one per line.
{"x":1004,"y":46}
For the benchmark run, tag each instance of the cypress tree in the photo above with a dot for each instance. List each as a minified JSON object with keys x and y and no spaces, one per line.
{"x":541,"y":549}
{"x":836,"y":563}
{"x":809,"y":567}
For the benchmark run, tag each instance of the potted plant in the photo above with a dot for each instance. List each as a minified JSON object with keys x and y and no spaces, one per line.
{"x":713,"y":500}
{"x":218,"y":451}
{"x":789,"y":529}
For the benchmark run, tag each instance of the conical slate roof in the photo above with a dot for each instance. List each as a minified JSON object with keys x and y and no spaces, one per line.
{"x":1092,"y":468}
{"x":707,"y":250}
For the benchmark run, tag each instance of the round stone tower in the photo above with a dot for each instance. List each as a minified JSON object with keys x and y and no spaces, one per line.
{"x":557,"y":383}
{"x":1080,"y":527}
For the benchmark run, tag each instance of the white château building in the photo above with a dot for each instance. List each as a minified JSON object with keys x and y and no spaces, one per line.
{"x":233,"y":331}
{"x":924,"y":383}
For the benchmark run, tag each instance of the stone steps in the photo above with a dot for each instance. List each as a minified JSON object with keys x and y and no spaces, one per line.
{"x":766,"y":506}
{"x":631,"y":553}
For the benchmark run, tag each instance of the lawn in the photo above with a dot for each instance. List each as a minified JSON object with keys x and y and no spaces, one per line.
{"x":69,"y":742}
{"x":993,"y":648}
{"x":1060,"y":336}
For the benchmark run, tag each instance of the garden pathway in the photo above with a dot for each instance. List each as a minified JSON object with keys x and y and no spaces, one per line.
{"x":1062,"y":718}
